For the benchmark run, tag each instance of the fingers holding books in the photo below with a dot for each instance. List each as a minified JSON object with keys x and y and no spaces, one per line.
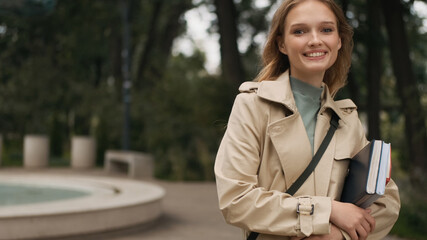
{"x":356,"y":221}
{"x":370,"y":219}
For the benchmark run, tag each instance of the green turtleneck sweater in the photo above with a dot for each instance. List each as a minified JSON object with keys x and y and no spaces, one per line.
{"x":307,"y":99}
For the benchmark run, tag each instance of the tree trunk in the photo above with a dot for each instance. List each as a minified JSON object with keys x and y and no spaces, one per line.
{"x":173,"y":25}
{"x":415,"y":128}
{"x":154,"y":47}
{"x":171,"y":29}
{"x":147,"y":43}
{"x":353,"y":87}
{"x":374,"y":68}
{"x":231,"y":64}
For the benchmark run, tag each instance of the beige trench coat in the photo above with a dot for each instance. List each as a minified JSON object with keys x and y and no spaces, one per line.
{"x":264,"y":150}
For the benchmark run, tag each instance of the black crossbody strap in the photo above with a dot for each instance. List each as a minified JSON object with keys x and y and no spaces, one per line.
{"x":312,"y":165}
{"x":316,"y":158}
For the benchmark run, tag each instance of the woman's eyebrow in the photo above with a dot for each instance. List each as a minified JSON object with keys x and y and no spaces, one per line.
{"x":305,"y":24}
{"x":298,"y":25}
{"x":328,"y":23}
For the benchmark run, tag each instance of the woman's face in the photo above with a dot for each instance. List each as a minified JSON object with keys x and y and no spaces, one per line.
{"x":310,"y":40}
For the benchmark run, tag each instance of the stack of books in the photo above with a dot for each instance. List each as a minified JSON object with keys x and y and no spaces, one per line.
{"x":369,"y":173}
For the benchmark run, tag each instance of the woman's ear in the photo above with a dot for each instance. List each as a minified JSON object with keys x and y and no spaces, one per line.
{"x":339,"y":43}
{"x":281,"y":44}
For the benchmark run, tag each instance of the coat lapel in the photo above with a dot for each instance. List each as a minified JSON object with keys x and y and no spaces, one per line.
{"x":287,"y":131}
{"x":290,"y":140}
{"x":322,"y":173}
{"x":292,"y":145}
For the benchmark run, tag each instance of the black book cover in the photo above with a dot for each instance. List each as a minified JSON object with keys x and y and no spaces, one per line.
{"x":355,"y":185}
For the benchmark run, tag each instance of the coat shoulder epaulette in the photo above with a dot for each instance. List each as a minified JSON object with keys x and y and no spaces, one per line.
{"x":248,"y":87}
{"x":346,"y":105}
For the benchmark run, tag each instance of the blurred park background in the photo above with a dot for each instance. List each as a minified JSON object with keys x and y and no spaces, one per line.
{"x":160,"y":76}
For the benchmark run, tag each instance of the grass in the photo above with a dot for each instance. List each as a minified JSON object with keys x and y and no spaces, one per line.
{"x":12,"y":159}
{"x":16,"y":160}
{"x":412,"y":221}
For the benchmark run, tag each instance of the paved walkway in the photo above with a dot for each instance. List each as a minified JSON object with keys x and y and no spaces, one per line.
{"x":190,"y":213}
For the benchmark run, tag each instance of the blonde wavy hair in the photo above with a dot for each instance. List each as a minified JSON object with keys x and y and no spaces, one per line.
{"x":275,"y":63}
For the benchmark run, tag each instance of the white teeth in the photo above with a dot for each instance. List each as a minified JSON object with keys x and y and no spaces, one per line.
{"x":315,"y":54}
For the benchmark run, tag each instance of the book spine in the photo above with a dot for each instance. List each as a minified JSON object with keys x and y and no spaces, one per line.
{"x":369,"y":201}
{"x":362,"y":200}
{"x":389,"y":170}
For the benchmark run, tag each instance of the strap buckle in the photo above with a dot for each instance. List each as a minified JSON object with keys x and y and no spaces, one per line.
{"x":305,"y":209}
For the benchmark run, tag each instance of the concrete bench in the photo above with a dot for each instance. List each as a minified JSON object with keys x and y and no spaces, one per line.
{"x":136,"y":164}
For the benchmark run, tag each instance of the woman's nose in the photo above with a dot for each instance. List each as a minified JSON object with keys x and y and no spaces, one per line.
{"x":314,"y":39}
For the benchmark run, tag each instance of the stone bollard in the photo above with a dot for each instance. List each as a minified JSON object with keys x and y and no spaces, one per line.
{"x":83,"y":152}
{"x":36,"y":151}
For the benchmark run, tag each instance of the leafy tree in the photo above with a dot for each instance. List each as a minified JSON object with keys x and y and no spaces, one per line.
{"x":231,"y":63}
{"x":415,"y":125}
{"x":187,"y":113}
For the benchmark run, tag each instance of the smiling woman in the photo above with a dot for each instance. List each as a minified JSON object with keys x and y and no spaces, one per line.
{"x":278,"y":127}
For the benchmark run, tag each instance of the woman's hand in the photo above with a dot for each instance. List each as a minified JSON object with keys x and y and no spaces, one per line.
{"x":335,"y":234}
{"x":356,"y":221}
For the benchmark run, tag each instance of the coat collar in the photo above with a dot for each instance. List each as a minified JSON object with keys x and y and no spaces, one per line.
{"x":280,"y":91}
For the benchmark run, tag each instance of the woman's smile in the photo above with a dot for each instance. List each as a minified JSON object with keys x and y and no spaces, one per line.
{"x":315,"y":54}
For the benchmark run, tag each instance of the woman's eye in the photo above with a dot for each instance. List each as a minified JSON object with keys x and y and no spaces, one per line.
{"x":327,"y":30}
{"x":298,"y":31}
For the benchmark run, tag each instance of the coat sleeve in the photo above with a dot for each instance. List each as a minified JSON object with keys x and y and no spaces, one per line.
{"x":385,"y":211}
{"x":243,"y":203}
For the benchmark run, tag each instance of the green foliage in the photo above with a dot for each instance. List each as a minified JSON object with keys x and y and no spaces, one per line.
{"x":49,"y":67}
{"x":60,"y":74}
{"x":413,"y":213}
{"x":27,"y":7}
{"x":412,"y":221}
{"x":12,"y":154}
{"x":183,"y":112}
